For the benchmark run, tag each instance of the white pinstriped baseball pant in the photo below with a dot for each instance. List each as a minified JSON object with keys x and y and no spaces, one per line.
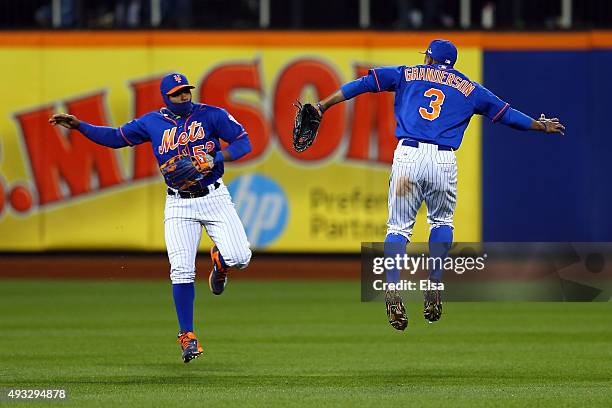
{"x":420,"y":174}
{"x":183,"y":222}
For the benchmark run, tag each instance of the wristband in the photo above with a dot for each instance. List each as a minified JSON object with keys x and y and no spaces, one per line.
{"x":321,"y":108}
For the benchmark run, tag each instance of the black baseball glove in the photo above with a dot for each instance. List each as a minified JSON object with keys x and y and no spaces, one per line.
{"x":183,"y":171}
{"x":307,"y":121}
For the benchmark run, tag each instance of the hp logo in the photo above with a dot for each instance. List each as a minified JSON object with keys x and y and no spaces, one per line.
{"x":262,"y":206}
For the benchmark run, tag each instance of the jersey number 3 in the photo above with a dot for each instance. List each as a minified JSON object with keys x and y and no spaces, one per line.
{"x":435,"y":105}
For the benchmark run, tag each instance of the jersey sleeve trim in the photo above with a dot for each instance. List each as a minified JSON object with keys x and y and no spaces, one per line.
{"x":241,"y":135}
{"x":125,"y":138}
{"x":501,"y":112}
{"x":376,"y":77}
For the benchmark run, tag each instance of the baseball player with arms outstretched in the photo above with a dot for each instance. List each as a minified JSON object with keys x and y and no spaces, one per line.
{"x":185,"y":138}
{"x":433,"y":106}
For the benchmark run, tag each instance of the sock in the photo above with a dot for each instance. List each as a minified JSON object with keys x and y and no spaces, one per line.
{"x":184,"y":295}
{"x":440,"y":241}
{"x":395,"y":244}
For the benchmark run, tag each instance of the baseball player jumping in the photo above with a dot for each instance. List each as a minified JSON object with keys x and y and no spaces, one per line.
{"x":185,"y":140}
{"x":433,"y":106}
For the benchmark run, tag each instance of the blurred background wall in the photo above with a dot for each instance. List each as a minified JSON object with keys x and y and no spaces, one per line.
{"x":538,"y":188}
{"x":312,"y":14}
{"x":103,"y":60}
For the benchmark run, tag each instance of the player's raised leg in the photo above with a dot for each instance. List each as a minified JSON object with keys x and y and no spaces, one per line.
{"x":183,"y":236}
{"x":404,"y":200}
{"x":232,"y":248}
{"x":440,"y":197}
{"x":405,"y":194}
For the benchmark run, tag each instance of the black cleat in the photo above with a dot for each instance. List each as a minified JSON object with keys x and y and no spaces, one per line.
{"x":432,"y":309}
{"x":396,"y":312}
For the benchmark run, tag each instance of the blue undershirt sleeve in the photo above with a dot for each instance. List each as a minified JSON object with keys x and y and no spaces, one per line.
{"x":516,"y":119}
{"x":357,"y":87}
{"x":103,"y":135}
{"x":239,"y":147}
{"x":378,"y":80}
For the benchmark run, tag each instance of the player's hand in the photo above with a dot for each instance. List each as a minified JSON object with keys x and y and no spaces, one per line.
{"x":65,"y":120}
{"x":551,"y":125}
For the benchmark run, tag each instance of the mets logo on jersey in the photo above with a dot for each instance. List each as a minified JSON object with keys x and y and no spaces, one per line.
{"x":171,"y":142}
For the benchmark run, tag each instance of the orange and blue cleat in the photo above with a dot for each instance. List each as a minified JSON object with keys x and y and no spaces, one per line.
{"x":218,"y":276}
{"x":190,"y":345}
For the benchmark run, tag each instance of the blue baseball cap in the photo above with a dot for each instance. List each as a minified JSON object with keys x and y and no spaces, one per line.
{"x":173,"y":82}
{"x":442,"y":51}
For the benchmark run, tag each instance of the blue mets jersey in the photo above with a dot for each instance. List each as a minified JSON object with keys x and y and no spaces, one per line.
{"x":434,"y":103}
{"x":198,"y":133}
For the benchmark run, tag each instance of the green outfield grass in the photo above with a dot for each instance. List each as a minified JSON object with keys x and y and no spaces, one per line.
{"x":298,"y":344}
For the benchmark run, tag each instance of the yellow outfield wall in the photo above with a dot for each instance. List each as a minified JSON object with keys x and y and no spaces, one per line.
{"x":61,"y":192}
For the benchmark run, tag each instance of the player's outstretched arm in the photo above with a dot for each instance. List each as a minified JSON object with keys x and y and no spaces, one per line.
{"x":518,"y":120}
{"x":488,"y":104}
{"x":308,"y":117}
{"x":378,"y":80}
{"x":102,"y":135}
